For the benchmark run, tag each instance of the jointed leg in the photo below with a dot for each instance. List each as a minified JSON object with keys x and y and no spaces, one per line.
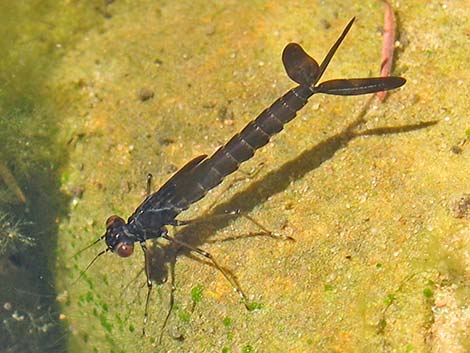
{"x":208,"y":256}
{"x":178,"y":223}
{"x":235,"y":214}
{"x":149,"y":284}
{"x":267,"y":231}
{"x":149,"y":183}
{"x":247,"y":175}
{"x":172,"y":299}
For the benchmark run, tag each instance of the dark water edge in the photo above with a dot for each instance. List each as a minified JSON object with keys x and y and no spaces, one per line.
{"x":32,"y":154}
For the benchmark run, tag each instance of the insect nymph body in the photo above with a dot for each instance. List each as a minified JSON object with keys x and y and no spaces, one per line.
{"x":198,"y":176}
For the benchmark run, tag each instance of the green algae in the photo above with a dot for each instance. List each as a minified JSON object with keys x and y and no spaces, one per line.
{"x":34,"y":37}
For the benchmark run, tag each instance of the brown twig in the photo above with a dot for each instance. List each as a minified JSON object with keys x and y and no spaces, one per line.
{"x":388,"y":45}
{"x":11,"y":183}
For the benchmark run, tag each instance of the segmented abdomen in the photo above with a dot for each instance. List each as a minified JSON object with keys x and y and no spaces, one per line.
{"x":241,"y":147}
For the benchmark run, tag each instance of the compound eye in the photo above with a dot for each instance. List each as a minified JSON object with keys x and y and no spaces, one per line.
{"x":112,"y":220}
{"x":124,"y":250}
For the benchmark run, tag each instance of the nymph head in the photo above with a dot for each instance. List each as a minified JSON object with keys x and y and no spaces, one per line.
{"x":116,"y":238}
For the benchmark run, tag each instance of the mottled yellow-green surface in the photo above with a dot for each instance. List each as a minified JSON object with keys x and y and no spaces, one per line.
{"x":380,"y":262}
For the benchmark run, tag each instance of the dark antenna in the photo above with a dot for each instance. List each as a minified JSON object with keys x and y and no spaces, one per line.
{"x":82,"y":273}
{"x":89,"y":246}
